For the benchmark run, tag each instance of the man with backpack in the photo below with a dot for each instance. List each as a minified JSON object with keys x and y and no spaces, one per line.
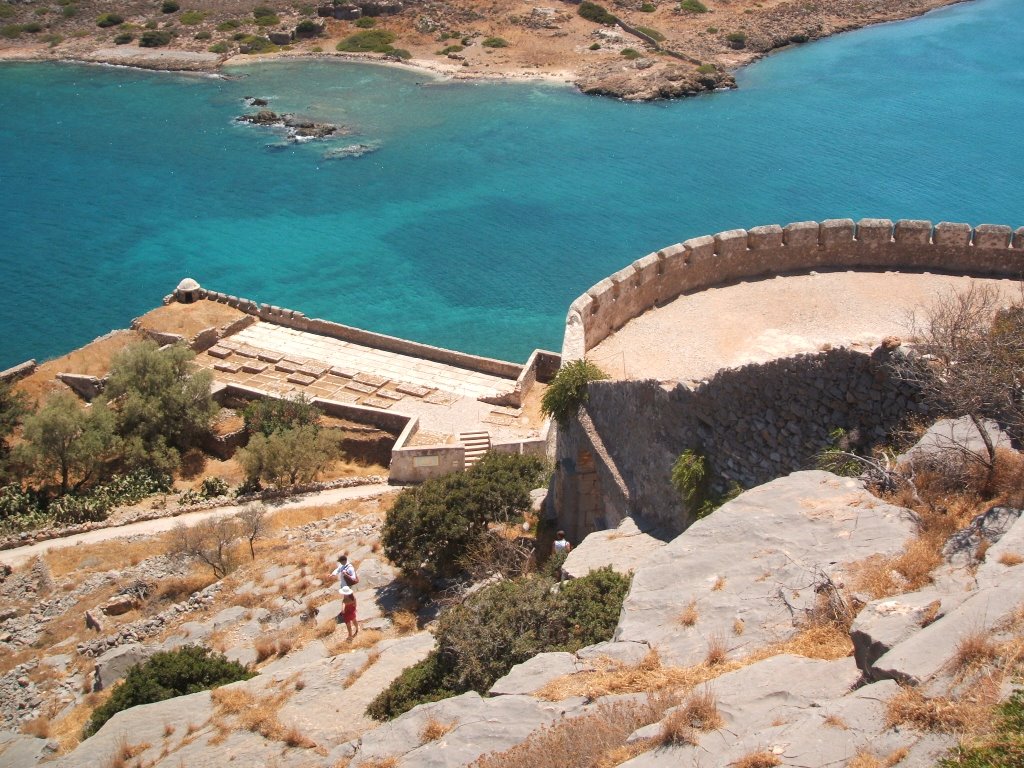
{"x":346,"y":573}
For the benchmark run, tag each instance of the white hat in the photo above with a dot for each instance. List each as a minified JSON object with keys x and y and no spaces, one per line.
{"x":346,"y":590}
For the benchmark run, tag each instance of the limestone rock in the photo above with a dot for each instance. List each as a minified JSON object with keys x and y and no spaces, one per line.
{"x":653,"y":80}
{"x":535,"y":673}
{"x":962,"y":547}
{"x":115,"y":663}
{"x":625,"y":549}
{"x":954,"y":435}
{"x":756,"y":560}
{"x":120,"y":604}
{"x":86,"y":387}
{"x":20,"y":751}
{"x":883,"y":624}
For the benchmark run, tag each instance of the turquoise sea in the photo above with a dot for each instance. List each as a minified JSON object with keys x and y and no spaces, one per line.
{"x":487,"y":207}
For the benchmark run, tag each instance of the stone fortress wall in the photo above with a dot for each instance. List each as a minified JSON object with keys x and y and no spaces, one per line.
{"x":756,"y":422}
{"x":738,"y":254}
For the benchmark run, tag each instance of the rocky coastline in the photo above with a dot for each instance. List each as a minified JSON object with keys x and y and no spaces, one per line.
{"x":690,"y":57}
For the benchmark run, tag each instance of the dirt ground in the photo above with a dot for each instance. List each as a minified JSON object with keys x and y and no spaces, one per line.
{"x":189,"y":319}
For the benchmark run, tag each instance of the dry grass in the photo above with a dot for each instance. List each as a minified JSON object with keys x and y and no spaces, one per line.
{"x":973,"y":651}
{"x":365,"y":639}
{"x":179,"y":588}
{"x":738,"y":627}
{"x":594,"y":740}
{"x":1010,"y":559}
{"x":380,"y":762}
{"x":718,"y":651}
{"x":865,"y":759}
{"x":404,"y":622}
{"x":371,"y":659}
{"x":689,"y":615}
{"x":67,"y":731}
{"x":113,"y":554}
{"x":719,"y":584}
{"x":434,"y":729}
{"x":835,"y":721}
{"x":257,"y":714}
{"x":38,"y":727}
{"x":972,"y":714}
{"x":814,"y":641}
{"x":761,"y":759}
{"x":698,"y":713}
{"x":189,"y":319}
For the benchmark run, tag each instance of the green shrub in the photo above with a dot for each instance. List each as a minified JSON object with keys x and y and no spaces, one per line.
{"x":712,"y":30}
{"x":165,"y":675}
{"x":707,"y":69}
{"x":595,"y":13}
{"x":169,"y":6}
{"x":109,"y":20}
{"x":151,"y":24}
{"x":693,"y":6}
{"x":481,"y":639}
{"x":69,"y":11}
{"x":10,"y":31}
{"x":494,"y":42}
{"x":255,"y":44}
{"x":630,"y":53}
{"x":267,"y":21}
{"x":690,"y":478}
{"x":652,"y":33}
{"x":1002,"y":749}
{"x":221,"y":47}
{"x":270,"y":415}
{"x":366,"y":22}
{"x":6,"y":10}
{"x":431,"y":527}
{"x":53,"y":40}
{"x":450,"y":49}
{"x":32,"y":27}
{"x":568,"y":390}
{"x":595,"y":46}
{"x":307,"y":29}
{"x":648,"y":8}
{"x":368,"y":41}
{"x":263,"y":10}
{"x":737,"y":39}
{"x":213,"y":487}
{"x":400,"y":53}
{"x":191,"y":18}
{"x":227,"y":26}
{"x":154,"y":38}
{"x":204,"y":35}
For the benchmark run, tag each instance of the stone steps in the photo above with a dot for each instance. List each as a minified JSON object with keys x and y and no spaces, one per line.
{"x":477,"y":444}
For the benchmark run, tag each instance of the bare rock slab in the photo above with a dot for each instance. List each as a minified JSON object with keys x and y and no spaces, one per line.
{"x":115,"y":663}
{"x":625,"y":549}
{"x":534,"y":674}
{"x":756,"y":560}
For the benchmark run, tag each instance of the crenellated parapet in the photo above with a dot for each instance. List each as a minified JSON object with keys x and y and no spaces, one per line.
{"x":739,"y":254}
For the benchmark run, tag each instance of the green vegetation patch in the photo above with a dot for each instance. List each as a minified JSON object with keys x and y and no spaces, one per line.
{"x":307,"y":29}
{"x":165,"y":675}
{"x":652,"y":33}
{"x":191,"y":18}
{"x":169,"y":6}
{"x":109,"y":20}
{"x":221,"y":47}
{"x":481,"y":639}
{"x":595,"y":13}
{"x":707,"y":69}
{"x":1002,"y":749}
{"x":648,"y":8}
{"x":630,"y":53}
{"x":6,"y":10}
{"x":494,"y":42}
{"x":450,"y":49}
{"x":568,"y":390}
{"x":693,"y":6}
{"x":366,"y":22}
{"x":229,"y":25}
{"x":255,"y":44}
{"x":737,"y":39}
{"x":368,"y":41}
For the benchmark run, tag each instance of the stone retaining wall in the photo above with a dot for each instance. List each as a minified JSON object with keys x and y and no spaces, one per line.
{"x":703,"y":262}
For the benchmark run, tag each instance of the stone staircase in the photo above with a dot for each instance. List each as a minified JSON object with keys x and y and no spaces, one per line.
{"x":477,"y":444}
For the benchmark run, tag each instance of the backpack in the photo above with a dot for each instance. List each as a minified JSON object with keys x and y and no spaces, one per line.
{"x":350,"y":580}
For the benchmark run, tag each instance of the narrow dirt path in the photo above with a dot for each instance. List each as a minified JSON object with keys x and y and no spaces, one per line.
{"x":20,"y":555}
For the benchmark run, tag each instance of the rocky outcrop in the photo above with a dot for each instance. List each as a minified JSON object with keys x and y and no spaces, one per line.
{"x":296,"y":128}
{"x":625,"y":549}
{"x":115,"y":663}
{"x":86,"y":387}
{"x":646,"y":79}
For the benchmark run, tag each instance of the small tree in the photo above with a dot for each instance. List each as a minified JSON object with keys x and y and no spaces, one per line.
{"x":253,"y":520}
{"x":210,"y":542}
{"x":567,"y":392}
{"x":289,"y":456}
{"x":66,"y":439}
{"x":972,"y":362}
{"x":270,"y":414}
{"x":690,"y":479}
{"x":162,"y":402}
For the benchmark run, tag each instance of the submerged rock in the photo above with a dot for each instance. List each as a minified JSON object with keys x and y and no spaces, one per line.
{"x":351,"y":150}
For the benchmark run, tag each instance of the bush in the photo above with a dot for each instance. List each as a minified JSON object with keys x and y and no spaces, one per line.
{"x":165,"y":675}
{"x":204,"y":35}
{"x":648,"y":8}
{"x":191,"y":18}
{"x":693,"y":6}
{"x":123,"y":38}
{"x":366,"y":22}
{"x":432,"y":526}
{"x":289,"y":456}
{"x":595,"y":46}
{"x":267,"y":21}
{"x":69,"y":11}
{"x":450,"y":49}
{"x":690,"y":478}
{"x":154,"y":38}
{"x":169,"y":6}
{"x":368,"y":41}
{"x":6,"y":10}
{"x":595,"y":13}
{"x":263,"y":10}
{"x":32,"y":27}
{"x":494,"y":42}
{"x":213,"y":487}
{"x":221,"y":47}
{"x":307,"y":29}
{"x":707,"y":69}
{"x":229,"y":25}
{"x":270,"y":414}
{"x":630,"y":53}
{"x":737,"y":39}
{"x":567,"y":392}
{"x":10,"y":31}
{"x":109,"y":20}
{"x":503,"y":625}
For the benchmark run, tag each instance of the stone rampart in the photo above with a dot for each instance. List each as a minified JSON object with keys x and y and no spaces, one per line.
{"x":739,"y":254}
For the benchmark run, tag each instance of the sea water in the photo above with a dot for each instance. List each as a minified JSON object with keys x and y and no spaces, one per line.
{"x":484,"y":208}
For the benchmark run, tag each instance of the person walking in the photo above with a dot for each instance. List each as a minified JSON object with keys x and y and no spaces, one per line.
{"x":348,"y":612}
{"x":561,"y":545}
{"x":346,"y":573}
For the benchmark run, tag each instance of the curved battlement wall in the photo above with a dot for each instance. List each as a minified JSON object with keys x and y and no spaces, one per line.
{"x":703,"y":262}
